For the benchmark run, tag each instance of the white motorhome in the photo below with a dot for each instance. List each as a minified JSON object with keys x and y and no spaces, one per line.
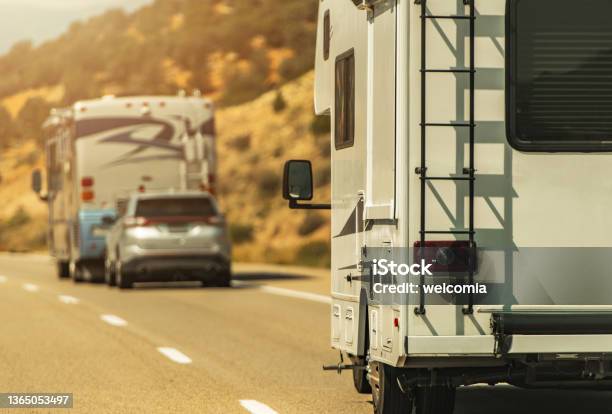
{"x":100,"y":151}
{"x":477,"y":134}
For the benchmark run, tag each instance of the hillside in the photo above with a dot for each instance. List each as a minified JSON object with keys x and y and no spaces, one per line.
{"x":231,"y":50}
{"x":254,"y":140}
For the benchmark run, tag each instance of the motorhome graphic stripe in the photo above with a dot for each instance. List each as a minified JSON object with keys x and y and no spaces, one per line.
{"x":89,"y":126}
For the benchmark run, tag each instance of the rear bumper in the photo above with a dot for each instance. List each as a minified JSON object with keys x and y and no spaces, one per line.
{"x":153,"y":267}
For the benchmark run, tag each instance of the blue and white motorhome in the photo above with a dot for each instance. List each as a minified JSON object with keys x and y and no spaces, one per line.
{"x":100,"y":151}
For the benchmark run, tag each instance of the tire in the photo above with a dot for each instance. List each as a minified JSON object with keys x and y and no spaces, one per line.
{"x":122,"y":278}
{"x":225,"y":278}
{"x":76,"y":273}
{"x":387,"y":397}
{"x":63,"y":269}
{"x":360,"y":377}
{"x":435,"y":400}
{"x":110,"y":278}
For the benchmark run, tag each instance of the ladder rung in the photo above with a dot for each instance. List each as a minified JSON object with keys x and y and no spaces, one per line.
{"x":450,"y":178}
{"x":448,"y":17}
{"x":451,"y":124}
{"x":449,"y":71}
{"x":448,"y":232}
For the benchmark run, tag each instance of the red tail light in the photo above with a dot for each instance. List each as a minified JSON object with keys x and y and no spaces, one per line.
{"x":87,"y":195}
{"x":447,"y":256}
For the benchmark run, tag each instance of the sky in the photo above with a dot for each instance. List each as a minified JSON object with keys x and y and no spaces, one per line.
{"x":39,"y":20}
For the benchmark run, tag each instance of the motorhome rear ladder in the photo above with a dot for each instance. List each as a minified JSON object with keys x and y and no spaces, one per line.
{"x":469,"y":172}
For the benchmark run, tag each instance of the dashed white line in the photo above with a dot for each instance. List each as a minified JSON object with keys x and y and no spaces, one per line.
{"x":113,"y":320}
{"x":174,"y":355}
{"x":296,"y":294}
{"x":30,"y":287}
{"x":255,"y":407}
{"x":68,"y":300}
{"x":3,"y":279}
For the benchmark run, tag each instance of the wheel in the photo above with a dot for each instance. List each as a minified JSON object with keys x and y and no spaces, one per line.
{"x":122,"y":278}
{"x":435,"y":400}
{"x":63,"y":269}
{"x":387,"y":397}
{"x":360,"y":377}
{"x":109,"y":273}
{"x":76,"y":272}
{"x":224,"y":278}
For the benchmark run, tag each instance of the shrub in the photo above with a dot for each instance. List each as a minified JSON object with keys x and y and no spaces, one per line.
{"x":320,"y":124}
{"x":241,"y":233}
{"x":241,"y":142}
{"x":19,"y":218}
{"x":323,"y":145}
{"x":314,"y":253}
{"x":279,"y":104}
{"x":312,"y":221}
{"x":268,"y":182}
{"x":322,"y":174}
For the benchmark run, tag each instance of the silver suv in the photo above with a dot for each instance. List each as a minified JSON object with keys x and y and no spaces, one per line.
{"x":168,"y":237}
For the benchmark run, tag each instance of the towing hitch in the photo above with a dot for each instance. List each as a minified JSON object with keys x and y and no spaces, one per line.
{"x":341,"y":366}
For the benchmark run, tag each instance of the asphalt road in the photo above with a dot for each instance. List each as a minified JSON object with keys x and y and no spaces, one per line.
{"x":257,"y":347}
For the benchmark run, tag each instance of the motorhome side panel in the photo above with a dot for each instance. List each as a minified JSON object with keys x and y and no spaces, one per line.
{"x":347,"y":63}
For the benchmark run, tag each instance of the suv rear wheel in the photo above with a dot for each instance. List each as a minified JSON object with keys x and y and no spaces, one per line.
{"x":122,"y":278}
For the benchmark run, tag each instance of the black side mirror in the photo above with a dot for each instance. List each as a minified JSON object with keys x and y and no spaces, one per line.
{"x":297,"y":185}
{"x":297,"y":180}
{"x":108,"y":220}
{"x":36,"y":181}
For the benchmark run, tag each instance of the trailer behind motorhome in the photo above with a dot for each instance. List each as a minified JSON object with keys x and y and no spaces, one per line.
{"x":100,"y":151}
{"x":476,"y":135}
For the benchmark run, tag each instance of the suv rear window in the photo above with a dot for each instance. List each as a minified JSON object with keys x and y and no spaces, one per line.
{"x":176,"y":207}
{"x":559,"y":75}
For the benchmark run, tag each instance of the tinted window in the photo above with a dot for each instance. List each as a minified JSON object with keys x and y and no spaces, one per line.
{"x":172,"y":207}
{"x":345,"y":100}
{"x":559,"y":68}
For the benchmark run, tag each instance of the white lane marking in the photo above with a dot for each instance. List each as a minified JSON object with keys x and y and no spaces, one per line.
{"x":68,"y":300}
{"x":30,"y":287}
{"x":255,"y":407}
{"x":2,"y":279}
{"x":113,"y":320}
{"x":174,"y":355}
{"x":296,"y":294}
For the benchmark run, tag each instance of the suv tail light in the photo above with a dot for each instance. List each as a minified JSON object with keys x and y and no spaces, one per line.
{"x":136,"y":222}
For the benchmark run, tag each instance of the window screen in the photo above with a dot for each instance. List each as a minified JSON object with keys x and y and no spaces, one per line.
{"x":345,"y":100}
{"x":559,"y":75}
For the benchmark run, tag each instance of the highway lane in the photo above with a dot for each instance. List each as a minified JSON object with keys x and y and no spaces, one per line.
{"x":185,"y":349}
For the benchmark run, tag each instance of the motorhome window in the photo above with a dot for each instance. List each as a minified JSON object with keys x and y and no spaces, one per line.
{"x":173,"y":207}
{"x":326,"y":35}
{"x":559,"y":75}
{"x":345,"y":101}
